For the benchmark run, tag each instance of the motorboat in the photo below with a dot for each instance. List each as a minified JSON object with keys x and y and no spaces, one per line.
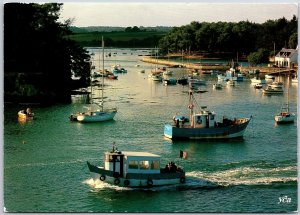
{"x":136,"y":169}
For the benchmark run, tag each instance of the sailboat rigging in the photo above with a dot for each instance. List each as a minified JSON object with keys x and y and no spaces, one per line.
{"x":285,"y":116}
{"x":97,"y":113}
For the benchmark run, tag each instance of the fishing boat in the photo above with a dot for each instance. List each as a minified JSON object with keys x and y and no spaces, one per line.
{"x":203,"y":125}
{"x":136,"y":169}
{"x":95,"y":112}
{"x":25,"y":114}
{"x":284,"y":116}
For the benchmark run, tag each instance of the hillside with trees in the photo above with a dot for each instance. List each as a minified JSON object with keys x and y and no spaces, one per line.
{"x":39,"y":59}
{"x":227,"y":37}
{"x":129,"y":37}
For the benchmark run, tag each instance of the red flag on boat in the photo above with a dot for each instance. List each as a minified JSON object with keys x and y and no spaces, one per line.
{"x":183,"y":154}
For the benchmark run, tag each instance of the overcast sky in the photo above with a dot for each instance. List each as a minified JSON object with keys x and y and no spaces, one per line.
{"x":172,"y":14}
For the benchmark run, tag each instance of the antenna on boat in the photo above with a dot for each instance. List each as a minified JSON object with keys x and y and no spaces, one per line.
{"x":113,"y":149}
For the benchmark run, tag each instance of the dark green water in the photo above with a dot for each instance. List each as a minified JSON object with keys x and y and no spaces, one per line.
{"x":45,"y":159}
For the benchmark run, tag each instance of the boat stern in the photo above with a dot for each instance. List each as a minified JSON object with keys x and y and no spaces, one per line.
{"x":168,"y":131}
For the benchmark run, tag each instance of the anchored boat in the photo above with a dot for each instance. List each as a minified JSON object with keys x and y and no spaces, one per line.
{"x":25,"y":114}
{"x":136,"y":169}
{"x":95,"y":112}
{"x":203,"y":125}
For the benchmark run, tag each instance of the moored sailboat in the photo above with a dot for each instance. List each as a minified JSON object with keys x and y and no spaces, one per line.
{"x":95,"y":112}
{"x":284,"y":116}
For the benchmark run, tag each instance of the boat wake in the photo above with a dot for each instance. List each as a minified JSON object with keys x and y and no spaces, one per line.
{"x":98,"y":185}
{"x":236,"y":176}
{"x":249,"y":176}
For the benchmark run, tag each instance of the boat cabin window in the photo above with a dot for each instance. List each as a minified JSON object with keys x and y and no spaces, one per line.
{"x":155,"y":165}
{"x":110,"y":158}
{"x":144,"y":164}
{"x":133,"y":165}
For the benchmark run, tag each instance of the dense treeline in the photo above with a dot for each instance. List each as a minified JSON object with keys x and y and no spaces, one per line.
{"x":126,"y":39}
{"x":91,"y":29}
{"x":243,"y":37}
{"x":39,"y":59}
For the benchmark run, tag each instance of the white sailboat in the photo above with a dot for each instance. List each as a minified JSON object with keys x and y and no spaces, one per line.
{"x":285,"y":116}
{"x":96,"y":113}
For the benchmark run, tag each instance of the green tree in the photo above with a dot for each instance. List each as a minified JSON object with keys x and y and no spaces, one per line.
{"x":261,"y":56}
{"x":37,"y":45}
{"x":293,"y":41}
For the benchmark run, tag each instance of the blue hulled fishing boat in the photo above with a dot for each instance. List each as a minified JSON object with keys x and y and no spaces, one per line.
{"x":203,"y":125}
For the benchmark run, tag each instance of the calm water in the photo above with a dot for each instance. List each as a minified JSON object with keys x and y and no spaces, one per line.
{"x":45,"y":160}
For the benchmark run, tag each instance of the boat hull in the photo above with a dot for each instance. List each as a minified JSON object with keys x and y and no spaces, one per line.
{"x":96,"y":116}
{"x":284,"y":119}
{"x":136,"y":179}
{"x":272,"y":91}
{"x":24,"y":116}
{"x":186,"y":132}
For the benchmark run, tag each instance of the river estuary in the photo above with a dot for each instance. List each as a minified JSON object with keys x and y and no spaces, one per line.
{"x":45,"y":159}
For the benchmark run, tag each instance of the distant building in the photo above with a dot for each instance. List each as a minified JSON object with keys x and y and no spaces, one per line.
{"x":287,"y":58}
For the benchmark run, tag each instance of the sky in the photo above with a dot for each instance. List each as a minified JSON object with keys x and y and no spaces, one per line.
{"x":151,"y":14}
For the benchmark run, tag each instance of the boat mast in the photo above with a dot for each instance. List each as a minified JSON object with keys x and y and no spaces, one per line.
{"x":288,"y":93}
{"x":191,"y":106}
{"x":91,"y":84}
{"x":102,"y":75}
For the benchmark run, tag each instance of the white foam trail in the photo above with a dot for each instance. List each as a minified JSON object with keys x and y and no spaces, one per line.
{"x":99,"y":185}
{"x":248,"y":176}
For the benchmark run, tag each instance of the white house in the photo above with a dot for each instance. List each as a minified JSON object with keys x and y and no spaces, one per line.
{"x":287,"y":58}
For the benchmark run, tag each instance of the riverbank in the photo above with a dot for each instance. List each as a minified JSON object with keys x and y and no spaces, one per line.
{"x":213,"y":66}
{"x":186,"y":65}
